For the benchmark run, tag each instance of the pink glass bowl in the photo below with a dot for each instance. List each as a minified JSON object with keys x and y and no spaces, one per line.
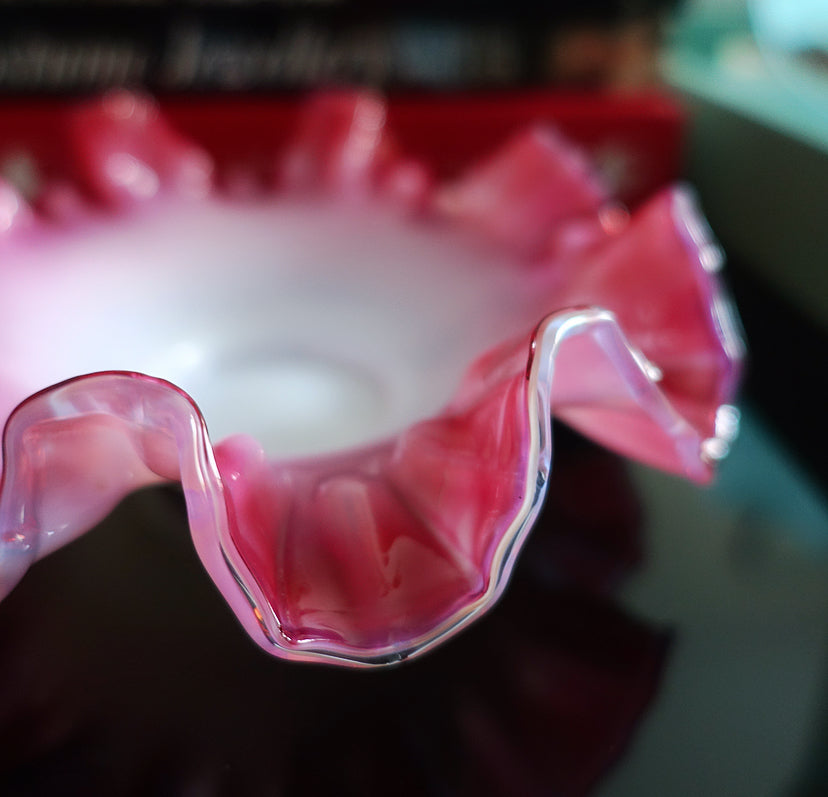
{"x":377,"y":352}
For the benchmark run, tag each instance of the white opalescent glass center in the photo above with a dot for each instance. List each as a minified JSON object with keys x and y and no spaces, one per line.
{"x":312,"y":326}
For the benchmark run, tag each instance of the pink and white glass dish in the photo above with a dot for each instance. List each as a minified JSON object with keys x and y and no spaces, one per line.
{"x":376,"y":354}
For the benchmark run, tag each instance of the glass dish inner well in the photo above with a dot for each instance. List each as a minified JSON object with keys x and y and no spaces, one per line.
{"x":310,"y":325}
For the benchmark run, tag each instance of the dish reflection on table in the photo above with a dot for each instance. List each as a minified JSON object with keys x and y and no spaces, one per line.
{"x":122,"y":672}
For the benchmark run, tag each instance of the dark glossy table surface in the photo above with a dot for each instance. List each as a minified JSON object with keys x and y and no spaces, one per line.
{"x":740,"y":571}
{"x":658,"y":638}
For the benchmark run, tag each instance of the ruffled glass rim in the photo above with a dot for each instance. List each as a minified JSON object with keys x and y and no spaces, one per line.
{"x":171,"y":441}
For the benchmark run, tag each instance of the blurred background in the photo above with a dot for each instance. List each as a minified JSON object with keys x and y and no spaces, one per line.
{"x":688,"y":650}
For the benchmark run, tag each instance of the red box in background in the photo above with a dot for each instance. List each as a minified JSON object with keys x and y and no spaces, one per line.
{"x":635,"y":140}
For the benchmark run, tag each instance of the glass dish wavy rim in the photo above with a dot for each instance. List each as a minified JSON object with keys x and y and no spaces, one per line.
{"x":202,"y":481}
